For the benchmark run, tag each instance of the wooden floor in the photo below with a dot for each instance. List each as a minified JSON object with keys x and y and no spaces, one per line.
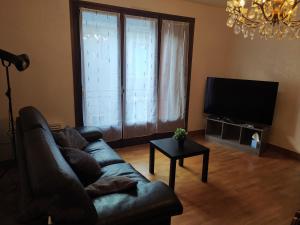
{"x":242,"y":189}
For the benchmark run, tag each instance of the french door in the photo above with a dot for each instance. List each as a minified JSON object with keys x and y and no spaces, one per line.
{"x":134,"y":72}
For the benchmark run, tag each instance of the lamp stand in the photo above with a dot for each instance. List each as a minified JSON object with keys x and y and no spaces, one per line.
{"x":11,"y":117}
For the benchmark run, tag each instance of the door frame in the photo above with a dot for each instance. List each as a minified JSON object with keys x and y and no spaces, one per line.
{"x":75,"y":6}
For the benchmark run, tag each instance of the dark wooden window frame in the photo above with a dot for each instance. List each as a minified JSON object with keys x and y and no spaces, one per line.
{"x":75,"y":6}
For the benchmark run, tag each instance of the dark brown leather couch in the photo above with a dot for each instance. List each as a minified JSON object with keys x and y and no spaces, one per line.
{"x":51,"y":188}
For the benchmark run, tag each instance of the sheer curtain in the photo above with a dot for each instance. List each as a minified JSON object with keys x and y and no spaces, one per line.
{"x":101,"y":80}
{"x":147,"y":103}
{"x":173,"y":75}
{"x":140,"y":77}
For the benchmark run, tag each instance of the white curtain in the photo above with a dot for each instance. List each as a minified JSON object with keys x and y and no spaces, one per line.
{"x":173,"y":75}
{"x":147,"y":105}
{"x":140,"y":77}
{"x":101,"y":80}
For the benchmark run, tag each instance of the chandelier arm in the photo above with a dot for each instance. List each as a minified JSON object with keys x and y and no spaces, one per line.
{"x":291,"y":22}
{"x":293,"y":7}
{"x":250,"y":22}
{"x":295,"y":4}
{"x":284,"y":1}
{"x":251,"y":25}
{"x":238,"y":10}
{"x":297,"y":22}
{"x":282,"y":18}
{"x":285,"y":23}
{"x":261,"y":6}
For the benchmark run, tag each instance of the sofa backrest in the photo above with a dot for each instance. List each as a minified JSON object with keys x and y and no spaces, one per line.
{"x":31,"y":118}
{"x":50,"y":176}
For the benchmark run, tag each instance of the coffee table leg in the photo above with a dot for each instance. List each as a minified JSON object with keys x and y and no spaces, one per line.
{"x":205,"y":166}
{"x":181,"y":161}
{"x":172,"y":173}
{"x":151,"y":160}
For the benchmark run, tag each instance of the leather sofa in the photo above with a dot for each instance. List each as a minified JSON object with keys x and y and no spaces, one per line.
{"x":49,"y":187}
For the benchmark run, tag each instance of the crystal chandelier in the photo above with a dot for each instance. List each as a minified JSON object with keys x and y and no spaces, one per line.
{"x":266,"y":18}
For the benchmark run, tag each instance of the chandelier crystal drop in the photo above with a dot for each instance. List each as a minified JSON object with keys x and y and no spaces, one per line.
{"x":267,"y":18}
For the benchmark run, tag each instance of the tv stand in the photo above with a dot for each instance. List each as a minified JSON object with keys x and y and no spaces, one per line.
{"x":225,"y":119}
{"x":236,"y":133}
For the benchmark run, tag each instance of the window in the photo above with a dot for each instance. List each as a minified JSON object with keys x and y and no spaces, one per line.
{"x":131,"y":69}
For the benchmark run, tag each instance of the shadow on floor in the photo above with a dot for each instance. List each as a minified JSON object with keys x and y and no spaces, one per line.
{"x":9,"y":189}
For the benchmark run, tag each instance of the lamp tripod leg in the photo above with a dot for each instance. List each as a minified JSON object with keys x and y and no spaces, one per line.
{"x":11,"y":117}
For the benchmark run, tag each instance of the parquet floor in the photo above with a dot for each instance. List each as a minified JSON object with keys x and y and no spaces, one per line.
{"x":242,"y":189}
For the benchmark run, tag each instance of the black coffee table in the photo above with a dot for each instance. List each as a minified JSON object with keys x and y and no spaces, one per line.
{"x":169,"y":147}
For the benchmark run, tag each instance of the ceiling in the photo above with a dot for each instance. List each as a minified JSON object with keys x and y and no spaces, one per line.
{"x":219,"y":3}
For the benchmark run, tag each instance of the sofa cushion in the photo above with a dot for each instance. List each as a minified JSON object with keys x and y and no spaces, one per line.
{"x":85,"y":166}
{"x":109,"y":185}
{"x":70,"y":137}
{"x":148,"y":201}
{"x":104,"y":154}
{"x":123,"y":169}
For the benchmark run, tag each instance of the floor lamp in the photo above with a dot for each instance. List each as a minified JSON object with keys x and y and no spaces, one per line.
{"x":21,"y":62}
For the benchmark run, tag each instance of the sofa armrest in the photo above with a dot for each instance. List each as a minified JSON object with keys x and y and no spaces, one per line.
{"x":149,"y":201}
{"x":90,"y":133}
{"x":162,"y":199}
{"x":296,"y":219}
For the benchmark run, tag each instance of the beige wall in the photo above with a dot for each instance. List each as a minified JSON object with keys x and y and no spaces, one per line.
{"x":41,"y":28}
{"x":273,"y":60}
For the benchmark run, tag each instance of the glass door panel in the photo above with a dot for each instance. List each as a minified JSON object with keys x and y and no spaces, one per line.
{"x":101,"y":74}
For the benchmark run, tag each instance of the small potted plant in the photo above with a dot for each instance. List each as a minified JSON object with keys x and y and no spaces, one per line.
{"x":180,"y":135}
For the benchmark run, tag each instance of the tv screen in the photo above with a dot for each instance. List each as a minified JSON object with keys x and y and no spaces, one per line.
{"x":243,"y":100}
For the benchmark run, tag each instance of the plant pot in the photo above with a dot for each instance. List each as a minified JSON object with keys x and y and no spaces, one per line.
{"x":181,"y":142}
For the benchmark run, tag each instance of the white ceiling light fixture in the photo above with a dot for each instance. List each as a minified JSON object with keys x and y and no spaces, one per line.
{"x":267,"y":18}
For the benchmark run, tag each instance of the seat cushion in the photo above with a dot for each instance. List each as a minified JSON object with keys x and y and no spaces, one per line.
{"x":148,"y":201}
{"x":123,"y":169}
{"x":103,"y":154}
{"x":109,"y":185}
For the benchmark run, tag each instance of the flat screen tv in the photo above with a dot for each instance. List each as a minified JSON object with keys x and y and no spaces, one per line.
{"x":241,"y":100}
